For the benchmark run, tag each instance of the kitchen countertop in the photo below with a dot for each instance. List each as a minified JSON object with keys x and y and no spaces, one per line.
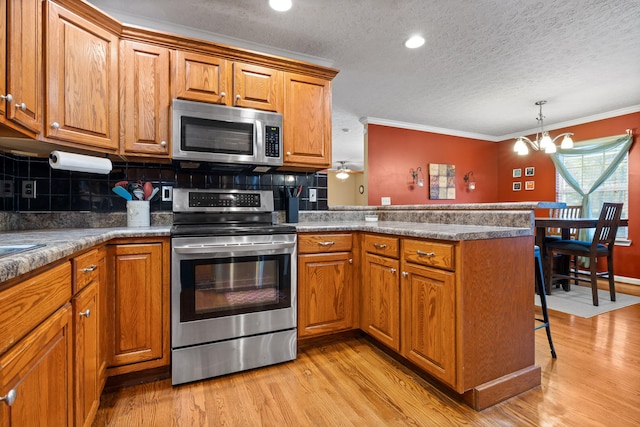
{"x":60,"y":243}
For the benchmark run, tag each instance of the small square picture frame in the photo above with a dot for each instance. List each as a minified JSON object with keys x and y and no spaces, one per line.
{"x":517,"y":186}
{"x":529,"y":185}
{"x":529,"y":171}
{"x":517,"y":173}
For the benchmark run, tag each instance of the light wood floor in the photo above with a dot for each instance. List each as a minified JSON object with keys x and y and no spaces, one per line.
{"x":594,"y":382}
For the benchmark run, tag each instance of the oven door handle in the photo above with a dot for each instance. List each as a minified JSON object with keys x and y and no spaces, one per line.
{"x":207,"y":249}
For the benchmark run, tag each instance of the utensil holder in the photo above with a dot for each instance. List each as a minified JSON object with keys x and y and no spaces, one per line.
{"x":292,"y":208}
{"x":138,"y":213}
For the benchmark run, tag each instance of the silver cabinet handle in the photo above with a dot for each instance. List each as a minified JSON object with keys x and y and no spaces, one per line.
{"x":163,"y":143}
{"x":85,"y":313}
{"x":8,"y":97}
{"x":350,"y":260}
{"x":238,"y":97}
{"x":55,"y":125}
{"x":222,"y":94}
{"x":427,"y":254}
{"x":380,"y":245}
{"x":10,"y":397}
{"x":392,"y":270}
{"x":405,"y":274}
{"x":22,"y":106}
{"x":329,"y":243}
{"x":288,"y":153}
{"x":89,"y":269}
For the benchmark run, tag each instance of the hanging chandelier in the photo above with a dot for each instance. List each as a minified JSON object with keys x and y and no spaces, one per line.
{"x":543,"y":141}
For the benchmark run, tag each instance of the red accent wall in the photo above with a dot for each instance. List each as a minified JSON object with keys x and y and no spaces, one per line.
{"x":393,"y":151}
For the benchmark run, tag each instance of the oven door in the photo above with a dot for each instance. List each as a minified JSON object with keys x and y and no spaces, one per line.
{"x":225,"y":287}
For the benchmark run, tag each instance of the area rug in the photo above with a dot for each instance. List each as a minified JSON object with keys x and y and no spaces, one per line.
{"x":578,"y":301}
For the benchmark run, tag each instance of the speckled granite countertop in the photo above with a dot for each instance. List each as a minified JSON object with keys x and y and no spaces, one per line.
{"x":60,"y":243}
{"x":422,"y":230}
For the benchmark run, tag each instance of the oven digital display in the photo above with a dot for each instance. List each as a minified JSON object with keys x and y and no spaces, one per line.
{"x":224,"y":200}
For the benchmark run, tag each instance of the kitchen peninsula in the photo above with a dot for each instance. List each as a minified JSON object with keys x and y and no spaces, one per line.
{"x":463,"y":311}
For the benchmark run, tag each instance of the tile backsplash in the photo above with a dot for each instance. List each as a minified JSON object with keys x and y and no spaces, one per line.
{"x":58,"y":190}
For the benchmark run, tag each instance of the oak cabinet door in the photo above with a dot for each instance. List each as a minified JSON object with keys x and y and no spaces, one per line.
{"x":86,"y":354}
{"x":82,"y":75}
{"x":325,"y":293}
{"x":200,"y":77}
{"x":307,"y":122}
{"x":37,"y":371}
{"x":145,"y":105}
{"x":381,"y":300}
{"x":138,"y":304}
{"x":23,"y":64}
{"x":257,"y":87}
{"x":428,"y":320}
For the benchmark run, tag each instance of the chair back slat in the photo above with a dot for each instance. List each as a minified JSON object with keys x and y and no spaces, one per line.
{"x":608,"y":224}
{"x":570,"y":212}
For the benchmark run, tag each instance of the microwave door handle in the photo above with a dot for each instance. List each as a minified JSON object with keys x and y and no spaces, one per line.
{"x":257,"y":137}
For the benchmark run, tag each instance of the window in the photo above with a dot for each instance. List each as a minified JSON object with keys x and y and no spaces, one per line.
{"x":586,"y":169}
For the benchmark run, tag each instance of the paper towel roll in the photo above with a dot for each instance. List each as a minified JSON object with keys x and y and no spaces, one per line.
{"x":79,"y":163}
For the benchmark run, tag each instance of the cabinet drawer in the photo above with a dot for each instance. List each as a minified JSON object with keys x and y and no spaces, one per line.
{"x":320,"y":243}
{"x":433,"y":254}
{"x":27,"y":304}
{"x":381,"y":245}
{"x":85,"y":270}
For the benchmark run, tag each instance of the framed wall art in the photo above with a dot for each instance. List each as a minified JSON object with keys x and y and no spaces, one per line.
{"x":442,"y":181}
{"x":517,"y":173}
{"x":530,"y":171}
{"x":529,"y":185}
{"x":517,"y":186}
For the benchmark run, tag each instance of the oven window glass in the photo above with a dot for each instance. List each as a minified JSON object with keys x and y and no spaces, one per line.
{"x":215,"y":136}
{"x":222,"y":287}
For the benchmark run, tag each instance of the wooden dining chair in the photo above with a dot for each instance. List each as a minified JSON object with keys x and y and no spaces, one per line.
{"x":601,"y":245}
{"x":570,"y":212}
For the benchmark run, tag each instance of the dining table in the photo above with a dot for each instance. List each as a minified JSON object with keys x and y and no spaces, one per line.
{"x":565,"y":225}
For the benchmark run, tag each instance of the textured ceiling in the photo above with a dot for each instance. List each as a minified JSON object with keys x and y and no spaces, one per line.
{"x":483,"y":66}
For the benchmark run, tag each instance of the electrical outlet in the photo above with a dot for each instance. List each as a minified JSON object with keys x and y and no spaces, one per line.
{"x":29,"y":189}
{"x":312,"y":195}
{"x":167,"y":193}
{"x":385,"y":201}
{"x":6,"y":188}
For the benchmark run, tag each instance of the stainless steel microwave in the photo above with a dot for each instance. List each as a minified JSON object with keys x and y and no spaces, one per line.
{"x":228,"y":135}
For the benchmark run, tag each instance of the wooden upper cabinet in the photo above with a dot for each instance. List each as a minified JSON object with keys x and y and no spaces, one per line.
{"x":22,"y":89}
{"x":307,"y":122}
{"x":144,"y":106}
{"x":200,"y":77}
{"x":82,"y":75}
{"x":257,"y":87}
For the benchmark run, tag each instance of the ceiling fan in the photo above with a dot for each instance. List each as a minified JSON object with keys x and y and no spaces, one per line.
{"x":342,"y":172}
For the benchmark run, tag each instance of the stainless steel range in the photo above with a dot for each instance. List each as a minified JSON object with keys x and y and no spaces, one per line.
{"x":233,"y":284}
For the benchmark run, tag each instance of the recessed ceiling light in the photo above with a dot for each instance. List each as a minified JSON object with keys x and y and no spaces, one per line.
{"x":414,"y":42}
{"x":280,"y":5}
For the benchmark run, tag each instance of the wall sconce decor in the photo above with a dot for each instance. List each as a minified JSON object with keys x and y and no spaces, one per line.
{"x":470,"y":180}
{"x":417,"y":176}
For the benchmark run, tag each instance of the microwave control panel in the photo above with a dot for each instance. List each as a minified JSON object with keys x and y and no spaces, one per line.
{"x":272,"y":141}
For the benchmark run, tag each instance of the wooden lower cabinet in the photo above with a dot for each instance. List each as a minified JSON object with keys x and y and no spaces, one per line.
{"x":36,"y":375}
{"x":86,"y":354}
{"x":325,"y":284}
{"x":381,"y":299}
{"x":428,"y":320}
{"x":325,"y":293}
{"x":138,"y":305}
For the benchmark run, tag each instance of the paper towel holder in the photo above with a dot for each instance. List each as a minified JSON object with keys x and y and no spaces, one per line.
{"x":79,"y":162}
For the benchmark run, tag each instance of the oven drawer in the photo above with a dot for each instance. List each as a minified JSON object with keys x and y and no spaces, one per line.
{"x":432,"y":254}
{"x":321,"y":243}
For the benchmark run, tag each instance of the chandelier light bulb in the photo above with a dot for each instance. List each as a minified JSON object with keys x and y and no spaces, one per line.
{"x":567,"y":142}
{"x":550,"y":148}
{"x":545,"y":141}
{"x":280,"y":5}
